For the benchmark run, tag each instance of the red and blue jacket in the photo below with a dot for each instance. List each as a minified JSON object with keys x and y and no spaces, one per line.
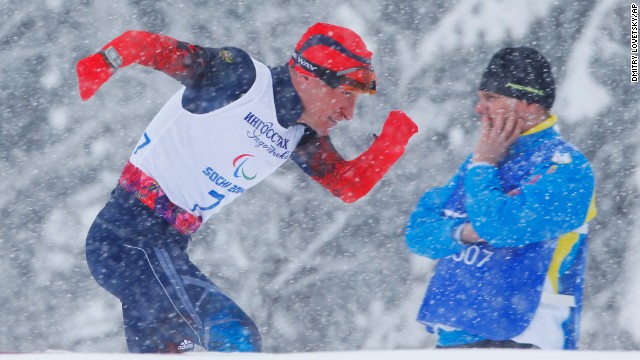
{"x":215,"y":77}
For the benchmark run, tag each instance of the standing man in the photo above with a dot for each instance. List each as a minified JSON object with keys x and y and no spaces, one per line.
{"x":233,"y":123}
{"x":510,"y":228}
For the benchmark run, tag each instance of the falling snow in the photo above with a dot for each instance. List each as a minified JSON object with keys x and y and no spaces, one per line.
{"x":314,"y":273}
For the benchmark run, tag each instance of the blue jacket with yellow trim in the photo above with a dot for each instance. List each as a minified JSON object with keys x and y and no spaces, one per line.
{"x":528,"y":210}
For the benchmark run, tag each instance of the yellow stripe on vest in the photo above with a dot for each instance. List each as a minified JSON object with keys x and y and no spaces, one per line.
{"x":565,"y":244}
{"x":593,"y":211}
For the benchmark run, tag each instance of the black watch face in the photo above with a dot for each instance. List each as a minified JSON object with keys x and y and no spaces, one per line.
{"x":113,"y":57}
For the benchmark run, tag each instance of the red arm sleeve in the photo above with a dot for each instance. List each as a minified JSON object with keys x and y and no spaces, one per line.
{"x":350,"y":180}
{"x":177,"y":59}
{"x":173,"y":57}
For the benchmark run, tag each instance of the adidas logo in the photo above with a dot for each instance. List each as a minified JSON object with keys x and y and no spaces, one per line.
{"x":185,"y":345}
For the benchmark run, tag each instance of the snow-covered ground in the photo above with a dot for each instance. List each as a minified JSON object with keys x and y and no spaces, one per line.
{"x":351,"y":355}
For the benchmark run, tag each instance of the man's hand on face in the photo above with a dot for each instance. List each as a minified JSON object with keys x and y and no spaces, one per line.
{"x":498,"y":134}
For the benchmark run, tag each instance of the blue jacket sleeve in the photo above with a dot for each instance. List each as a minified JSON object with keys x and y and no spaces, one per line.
{"x":552,"y":201}
{"x":429,"y":232}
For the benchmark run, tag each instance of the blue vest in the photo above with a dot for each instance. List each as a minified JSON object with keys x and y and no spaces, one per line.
{"x":492,"y":292}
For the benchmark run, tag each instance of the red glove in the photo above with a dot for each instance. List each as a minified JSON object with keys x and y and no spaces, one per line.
{"x":353,"y":179}
{"x":93,"y":71}
{"x":140,"y":47}
{"x":397,"y":130}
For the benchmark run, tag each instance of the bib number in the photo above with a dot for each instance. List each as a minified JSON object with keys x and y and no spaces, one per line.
{"x":218,"y":199}
{"x":473,"y":255}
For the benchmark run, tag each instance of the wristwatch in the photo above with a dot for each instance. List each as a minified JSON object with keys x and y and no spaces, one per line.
{"x":112,"y":57}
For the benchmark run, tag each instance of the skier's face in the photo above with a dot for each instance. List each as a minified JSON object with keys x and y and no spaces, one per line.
{"x":323,"y":106}
{"x":492,"y":106}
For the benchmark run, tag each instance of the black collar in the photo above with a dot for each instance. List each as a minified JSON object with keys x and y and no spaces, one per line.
{"x":288,"y":104}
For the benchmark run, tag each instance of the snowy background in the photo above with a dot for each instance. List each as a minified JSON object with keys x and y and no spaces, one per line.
{"x":482,"y":354}
{"x":315,"y":274}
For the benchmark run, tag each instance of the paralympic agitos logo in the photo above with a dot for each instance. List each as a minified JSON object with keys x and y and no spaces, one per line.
{"x":239,"y":165}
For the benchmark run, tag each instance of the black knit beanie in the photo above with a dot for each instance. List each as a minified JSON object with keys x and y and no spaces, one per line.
{"x":521,"y":73}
